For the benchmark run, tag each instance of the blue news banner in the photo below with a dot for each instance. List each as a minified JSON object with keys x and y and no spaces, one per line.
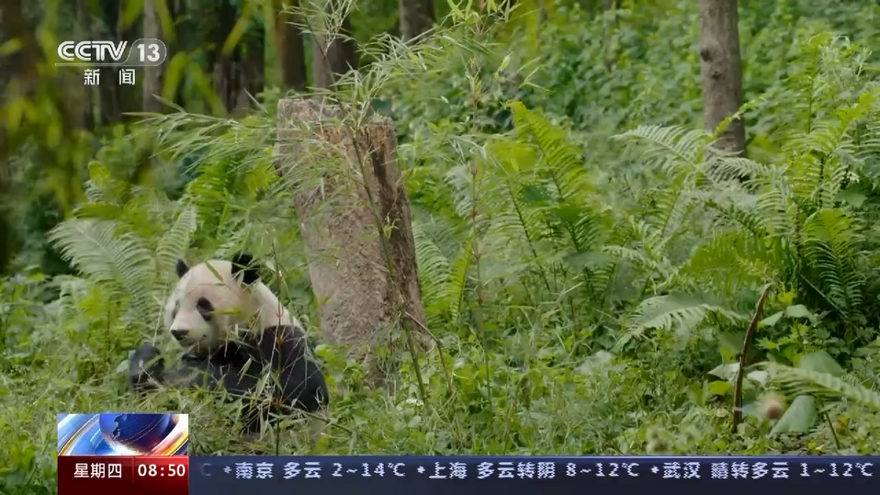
{"x":237,"y":475}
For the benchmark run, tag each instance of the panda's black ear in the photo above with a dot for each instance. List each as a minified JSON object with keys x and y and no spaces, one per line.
{"x":244,"y":263}
{"x":181,"y":268}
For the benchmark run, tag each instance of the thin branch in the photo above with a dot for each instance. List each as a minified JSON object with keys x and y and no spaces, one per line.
{"x":440,"y":354}
{"x":737,"y":391}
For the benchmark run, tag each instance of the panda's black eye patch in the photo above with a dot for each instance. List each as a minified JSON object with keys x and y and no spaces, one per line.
{"x":205,"y":308}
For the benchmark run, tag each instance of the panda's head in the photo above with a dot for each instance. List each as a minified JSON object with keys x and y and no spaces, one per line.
{"x":214,"y":298}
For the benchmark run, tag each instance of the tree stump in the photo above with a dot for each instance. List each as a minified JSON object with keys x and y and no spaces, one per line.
{"x":348,"y":195}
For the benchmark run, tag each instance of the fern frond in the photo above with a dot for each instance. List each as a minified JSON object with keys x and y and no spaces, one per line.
{"x":102,"y":187}
{"x":718,"y":262}
{"x":680,"y":312}
{"x":734,"y":215}
{"x":869,"y":140}
{"x":640,"y":260}
{"x":563,"y":162}
{"x":434,"y":273}
{"x":830,"y":238}
{"x":821,"y":384}
{"x":672,"y":149}
{"x":454,"y":293}
{"x":778,"y":212}
{"x":505,"y":198}
{"x":175,"y":242}
{"x":119,"y":261}
{"x":728,"y":168}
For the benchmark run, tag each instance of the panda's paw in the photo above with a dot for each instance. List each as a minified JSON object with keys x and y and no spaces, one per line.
{"x":145,"y":366}
{"x":147,"y":357}
{"x":251,"y":436}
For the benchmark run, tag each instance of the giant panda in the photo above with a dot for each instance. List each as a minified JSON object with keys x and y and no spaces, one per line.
{"x":211,"y":305}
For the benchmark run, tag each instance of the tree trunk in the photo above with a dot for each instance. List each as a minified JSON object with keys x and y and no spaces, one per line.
{"x":226,"y":77}
{"x":354,"y":195}
{"x":225,"y":68}
{"x":416,"y":17}
{"x":113,"y":98}
{"x":291,"y":50}
{"x":721,"y":71}
{"x":612,"y":4}
{"x":330,"y":61}
{"x":321,"y":77}
{"x":152,"y":83}
{"x":183,"y":27}
{"x":253,"y":66}
{"x":86,"y":93}
{"x":129,"y":98}
{"x":108,"y":94}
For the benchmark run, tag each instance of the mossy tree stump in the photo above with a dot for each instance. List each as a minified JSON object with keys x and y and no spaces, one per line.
{"x":355,"y":222}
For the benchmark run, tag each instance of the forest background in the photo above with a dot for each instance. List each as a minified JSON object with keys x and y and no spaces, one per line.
{"x":591,"y":253}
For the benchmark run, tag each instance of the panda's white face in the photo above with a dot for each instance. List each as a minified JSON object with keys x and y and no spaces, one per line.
{"x":209,"y":303}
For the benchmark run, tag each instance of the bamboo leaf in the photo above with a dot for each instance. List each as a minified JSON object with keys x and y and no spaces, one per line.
{"x":239,"y":28}
{"x":174,"y":74}
{"x":131,"y":12}
{"x":167,"y":23}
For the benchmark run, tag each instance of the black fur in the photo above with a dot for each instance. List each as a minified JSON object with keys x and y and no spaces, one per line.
{"x":181,"y":268}
{"x":300,"y":384}
{"x":244,"y":263}
{"x":205,"y":308}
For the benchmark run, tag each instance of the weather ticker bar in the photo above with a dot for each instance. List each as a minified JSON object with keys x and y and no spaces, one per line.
{"x":530,"y":475}
{"x":238,"y":475}
{"x":138,"y":453}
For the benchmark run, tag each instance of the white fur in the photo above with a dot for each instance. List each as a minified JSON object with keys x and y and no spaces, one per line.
{"x":252,"y":307}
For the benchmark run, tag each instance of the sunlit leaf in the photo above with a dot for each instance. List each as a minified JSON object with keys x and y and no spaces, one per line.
{"x":174,"y":74}
{"x":131,"y":12}
{"x":800,"y":416}
{"x":10,"y":47}
{"x":821,"y":362}
{"x":239,"y":28}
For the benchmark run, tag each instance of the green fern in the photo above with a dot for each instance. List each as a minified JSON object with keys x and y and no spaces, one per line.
{"x":434,"y":274}
{"x":717,"y":262}
{"x":801,"y":381}
{"x":174,"y":243}
{"x":678,"y":312}
{"x":672,"y":149}
{"x":133,"y":274}
{"x":553,"y":202}
{"x":562,"y":160}
{"x":455,"y":292}
{"x":785,"y":224}
{"x":119,"y":261}
{"x":830,"y":238}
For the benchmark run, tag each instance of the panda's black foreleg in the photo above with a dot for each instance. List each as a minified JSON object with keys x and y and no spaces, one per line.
{"x":301,"y":381}
{"x":239,"y":384}
{"x":146,"y":369}
{"x":250,"y":419}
